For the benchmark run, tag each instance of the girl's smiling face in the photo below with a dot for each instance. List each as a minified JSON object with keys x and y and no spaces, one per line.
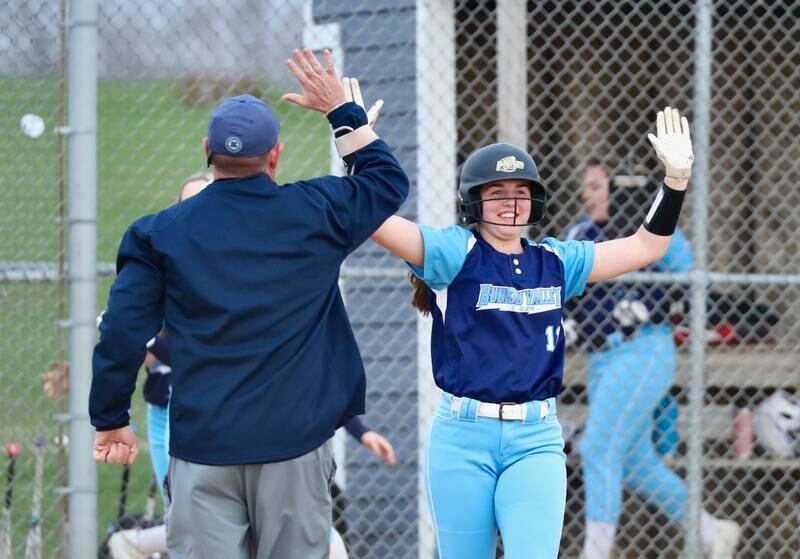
{"x":506,"y":202}
{"x":506,"y":208}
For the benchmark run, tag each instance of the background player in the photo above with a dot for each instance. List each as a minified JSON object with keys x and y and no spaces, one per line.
{"x":596,"y":198}
{"x":632,"y":361}
{"x":141,"y":543}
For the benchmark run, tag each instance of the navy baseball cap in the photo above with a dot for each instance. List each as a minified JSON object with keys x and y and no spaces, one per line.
{"x":242,"y":126}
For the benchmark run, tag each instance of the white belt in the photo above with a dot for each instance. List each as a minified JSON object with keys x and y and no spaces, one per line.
{"x":506,"y":412}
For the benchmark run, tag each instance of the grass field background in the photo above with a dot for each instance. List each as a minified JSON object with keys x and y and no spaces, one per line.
{"x":149,"y":139}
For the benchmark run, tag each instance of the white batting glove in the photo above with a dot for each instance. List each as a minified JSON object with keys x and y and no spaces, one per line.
{"x":673,"y":144}
{"x":352,"y":91}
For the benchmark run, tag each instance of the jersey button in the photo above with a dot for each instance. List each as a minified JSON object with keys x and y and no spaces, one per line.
{"x":516,"y":262}
{"x":518,"y":271}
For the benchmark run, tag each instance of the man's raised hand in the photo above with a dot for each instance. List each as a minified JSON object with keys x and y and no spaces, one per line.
{"x":322,"y":90}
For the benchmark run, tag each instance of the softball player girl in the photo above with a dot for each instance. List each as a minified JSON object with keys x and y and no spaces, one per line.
{"x":495,"y":457}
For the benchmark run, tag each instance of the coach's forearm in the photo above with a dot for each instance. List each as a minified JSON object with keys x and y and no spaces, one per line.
{"x":113,"y":383}
{"x":134,"y":314}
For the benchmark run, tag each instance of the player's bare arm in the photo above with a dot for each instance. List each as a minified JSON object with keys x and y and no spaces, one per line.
{"x":402,"y":238}
{"x":673,"y":146}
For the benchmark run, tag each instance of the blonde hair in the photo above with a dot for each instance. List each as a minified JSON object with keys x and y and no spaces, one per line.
{"x":201,"y":176}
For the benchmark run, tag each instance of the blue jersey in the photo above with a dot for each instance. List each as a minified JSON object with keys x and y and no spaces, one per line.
{"x":157,"y":387}
{"x":594,"y":312}
{"x":497,"y":333}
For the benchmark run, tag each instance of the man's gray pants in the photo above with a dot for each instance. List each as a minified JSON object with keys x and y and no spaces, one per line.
{"x":280,"y":510}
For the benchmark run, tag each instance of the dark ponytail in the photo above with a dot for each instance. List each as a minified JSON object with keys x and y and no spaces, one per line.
{"x":419,"y":300}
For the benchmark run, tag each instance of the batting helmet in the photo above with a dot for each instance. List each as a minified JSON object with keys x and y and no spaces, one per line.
{"x":498,"y":162}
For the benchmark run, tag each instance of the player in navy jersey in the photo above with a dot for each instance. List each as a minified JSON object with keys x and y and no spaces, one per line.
{"x":626,"y":332}
{"x":495,"y":456}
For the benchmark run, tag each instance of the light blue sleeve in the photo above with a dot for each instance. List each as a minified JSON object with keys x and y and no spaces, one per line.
{"x":578,"y":259}
{"x":445,"y":252}
{"x":678,"y":257}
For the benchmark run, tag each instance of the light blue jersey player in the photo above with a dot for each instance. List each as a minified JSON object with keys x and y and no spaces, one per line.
{"x":632,"y":359}
{"x":495,"y":458}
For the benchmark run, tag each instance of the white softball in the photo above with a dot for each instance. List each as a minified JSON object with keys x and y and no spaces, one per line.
{"x":32,"y":125}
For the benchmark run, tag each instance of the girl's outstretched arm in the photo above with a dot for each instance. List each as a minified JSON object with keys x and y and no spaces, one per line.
{"x":674,"y":148}
{"x":402,"y":238}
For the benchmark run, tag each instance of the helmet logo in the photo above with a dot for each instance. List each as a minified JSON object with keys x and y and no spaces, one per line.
{"x":509,"y":164}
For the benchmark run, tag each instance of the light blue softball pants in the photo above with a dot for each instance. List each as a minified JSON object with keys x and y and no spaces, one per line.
{"x":158,"y":439}
{"x":626,"y":384}
{"x":483,"y":474}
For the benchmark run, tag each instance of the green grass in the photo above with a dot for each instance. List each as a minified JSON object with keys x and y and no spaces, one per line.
{"x":148,"y":141}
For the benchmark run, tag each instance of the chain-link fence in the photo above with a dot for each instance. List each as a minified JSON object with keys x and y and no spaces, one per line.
{"x":574,"y":82}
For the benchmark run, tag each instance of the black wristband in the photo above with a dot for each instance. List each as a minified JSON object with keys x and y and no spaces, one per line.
{"x":662,"y":219}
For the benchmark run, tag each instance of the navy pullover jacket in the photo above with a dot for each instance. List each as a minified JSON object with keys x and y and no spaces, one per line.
{"x":244,"y":275}
{"x":156,"y":386}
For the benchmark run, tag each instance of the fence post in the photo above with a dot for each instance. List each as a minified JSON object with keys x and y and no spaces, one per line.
{"x":82,"y":202}
{"x":701,"y":118}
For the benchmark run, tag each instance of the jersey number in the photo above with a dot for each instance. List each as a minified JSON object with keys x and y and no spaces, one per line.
{"x":552,"y":339}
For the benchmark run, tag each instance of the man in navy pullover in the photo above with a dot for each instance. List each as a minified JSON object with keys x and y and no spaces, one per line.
{"x":265,"y":366}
